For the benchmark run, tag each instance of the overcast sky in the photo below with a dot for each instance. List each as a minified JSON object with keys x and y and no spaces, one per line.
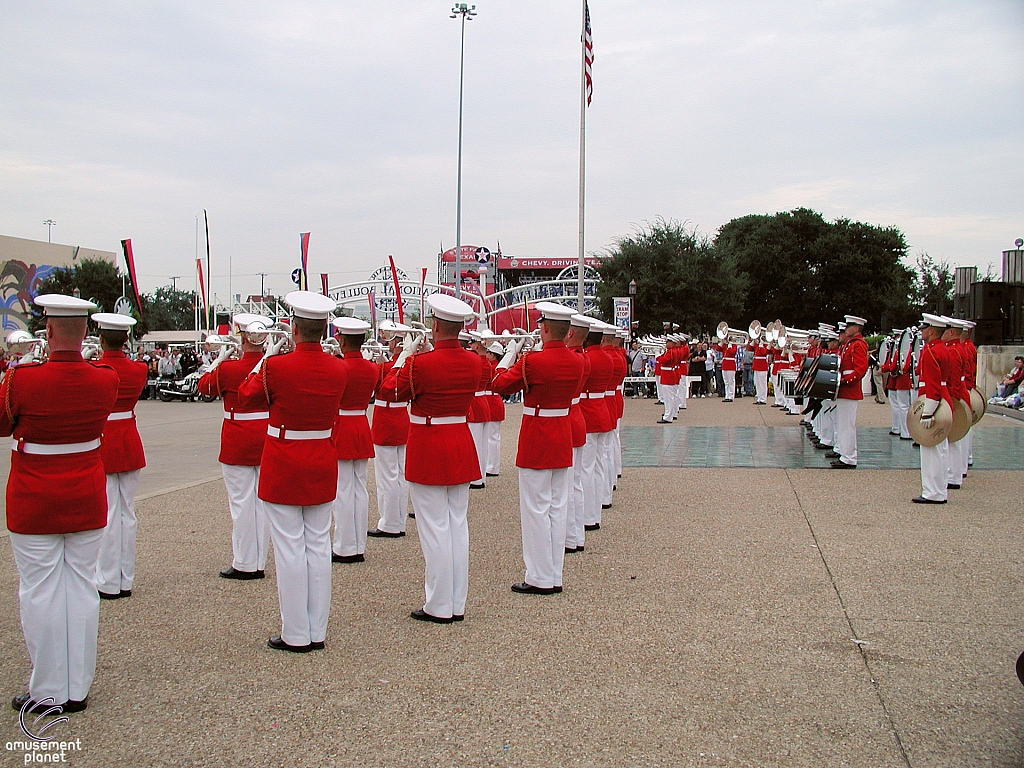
{"x":340,"y":118}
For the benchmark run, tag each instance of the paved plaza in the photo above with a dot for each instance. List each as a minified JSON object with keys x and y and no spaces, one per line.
{"x":740,"y":606}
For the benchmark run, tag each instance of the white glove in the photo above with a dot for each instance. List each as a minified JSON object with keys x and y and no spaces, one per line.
{"x":28,"y":357}
{"x":275,"y":346}
{"x":928,"y":413}
{"x":410,"y":345}
{"x":225,"y":353}
{"x":511,"y":353}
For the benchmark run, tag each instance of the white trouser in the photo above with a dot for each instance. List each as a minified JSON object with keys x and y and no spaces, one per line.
{"x":828,"y":422}
{"x":970,"y":447}
{"x":894,"y":412}
{"x":115,"y":568}
{"x":761,"y":386}
{"x":730,"y":384}
{"x":574,"y":533}
{"x":392,"y":489}
{"x":493,"y":447}
{"x":593,"y":476}
{"x":846,"y":430}
{"x":780,"y":396}
{"x":934,"y":469}
{"x":617,"y":451}
{"x":610,"y":472}
{"x":476,"y":428}
{"x":350,"y":508}
{"x":441,"y":512}
{"x":657,"y":389}
{"x":682,"y":393}
{"x":302,"y":558}
{"x":670,"y":396}
{"x":250,"y":531}
{"x":901,"y":398}
{"x":543,"y":495}
{"x":955,"y":462}
{"x":60,"y":611}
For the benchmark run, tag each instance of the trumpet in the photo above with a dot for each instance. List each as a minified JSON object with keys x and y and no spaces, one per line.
{"x":91,"y":349}
{"x":27,"y":346}
{"x":374,"y":351}
{"x":331,"y":346}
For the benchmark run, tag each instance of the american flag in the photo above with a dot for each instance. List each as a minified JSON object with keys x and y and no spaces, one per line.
{"x":588,"y":53}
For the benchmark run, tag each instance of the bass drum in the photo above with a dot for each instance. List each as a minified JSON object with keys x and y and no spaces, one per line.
{"x":828,"y":362}
{"x":904,"y":348}
{"x":806,"y":376}
{"x":977,"y":406}
{"x":941,"y":423}
{"x":884,"y":349}
{"x":825,"y":385}
{"x":962,"y":419}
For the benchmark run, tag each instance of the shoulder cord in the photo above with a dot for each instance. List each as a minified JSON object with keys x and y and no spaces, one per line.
{"x":8,"y":383}
{"x":263,"y":376}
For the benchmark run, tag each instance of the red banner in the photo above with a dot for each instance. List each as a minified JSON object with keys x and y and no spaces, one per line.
{"x":202,"y":285}
{"x":323,"y":282}
{"x":129,"y":259}
{"x":304,"y":247}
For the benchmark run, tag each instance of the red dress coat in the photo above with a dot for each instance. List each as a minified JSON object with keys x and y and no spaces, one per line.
{"x":390,"y":416}
{"x":853,"y":364}
{"x":550,"y":380}
{"x":241,"y":440}
{"x":728,"y":357}
{"x":479,"y":409}
{"x":760,"y":357}
{"x":304,"y":388}
{"x":65,"y":400}
{"x":595,"y":410}
{"x":576,"y":418}
{"x":896,"y":382}
{"x":958,"y":370}
{"x":439,"y":384}
{"x":495,"y":405}
{"x":669,"y":363}
{"x":122,"y":449}
{"x":352,"y":433}
{"x":683,"y":360}
{"x":971,"y":357}
{"x":932,"y":367}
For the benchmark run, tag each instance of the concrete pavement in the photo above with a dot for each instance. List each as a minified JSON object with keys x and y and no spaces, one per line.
{"x":720,"y":617}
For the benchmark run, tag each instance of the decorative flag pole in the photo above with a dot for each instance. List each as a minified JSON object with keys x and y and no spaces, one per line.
{"x":202,"y":289}
{"x":129,"y":260}
{"x":398,"y":291}
{"x":423,"y":285}
{"x":206,"y":299}
{"x":304,"y":248}
{"x":586,"y":92}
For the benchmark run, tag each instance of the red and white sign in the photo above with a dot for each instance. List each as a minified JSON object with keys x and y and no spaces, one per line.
{"x":515,"y":262}
{"x":468,"y":253}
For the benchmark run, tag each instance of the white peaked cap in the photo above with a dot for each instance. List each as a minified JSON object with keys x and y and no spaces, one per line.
{"x":390,"y":326}
{"x":351,"y":325}
{"x":549,"y":310}
{"x":463,"y":336}
{"x":111,"y":321}
{"x":445,"y":307}
{"x":244,"y":319}
{"x":57,"y":305}
{"x":496,"y":349}
{"x":581,"y":321}
{"x":935,"y":321}
{"x":309,"y":305}
{"x":854,"y":320}
{"x":610,"y":330}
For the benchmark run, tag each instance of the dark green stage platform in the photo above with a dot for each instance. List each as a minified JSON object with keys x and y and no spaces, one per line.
{"x":788,"y":448}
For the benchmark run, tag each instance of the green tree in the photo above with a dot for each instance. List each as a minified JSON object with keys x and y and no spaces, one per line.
{"x":933,"y":285}
{"x":680,"y":278}
{"x":168,"y":309}
{"x":803,"y":270}
{"x":96,"y":280}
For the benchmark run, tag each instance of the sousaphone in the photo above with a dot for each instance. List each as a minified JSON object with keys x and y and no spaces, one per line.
{"x":942,"y":423}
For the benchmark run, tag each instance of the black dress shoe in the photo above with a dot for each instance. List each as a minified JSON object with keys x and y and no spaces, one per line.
{"x":824,"y":446}
{"x":317,"y":646}
{"x":842,"y":465}
{"x":110,"y":595}
{"x":893,"y":433}
{"x":923,"y":500}
{"x":952,"y":487}
{"x":458,"y":616}
{"x":420,"y":615}
{"x":412,"y":515}
{"x":915,"y":444}
{"x":21,"y":699}
{"x":831,"y":455}
{"x":528,"y":589}
{"x":906,"y":438}
{"x":234,"y":573}
{"x":347,"y":558}
{"x":569,"y":550}
{"x":592,"y":527}
{"x":606,"y":506}
{"x":492,"y":474}
{"x":125,"y":593}
{"x":477,"y":486}
{"x":662,"y":421}
{"x":378,"y":533}
{"x":558,"y":590}
{"x":579,"y":548}
{"x":280,"y":645}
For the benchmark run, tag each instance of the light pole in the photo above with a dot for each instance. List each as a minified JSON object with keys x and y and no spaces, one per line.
{"x":467,"y":12}
{"x":174,"y":281}
{"x":49,"y":223}
{"x":632,"y":301}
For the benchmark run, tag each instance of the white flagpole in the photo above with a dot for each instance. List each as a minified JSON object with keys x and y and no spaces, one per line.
{"x":583,"y":152}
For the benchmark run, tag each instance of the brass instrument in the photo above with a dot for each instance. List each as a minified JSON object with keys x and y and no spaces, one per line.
{"x":331,"y":346}
{"x":27,"y":347}
{"x":733,"y":335}
{"x":755,"y":330}
{"x":91,"y":349}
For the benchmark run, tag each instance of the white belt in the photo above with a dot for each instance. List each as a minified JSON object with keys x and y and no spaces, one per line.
{"x":248,"y":416}
{"x":121,"y":415}
{"x":591,"y":395}
{"x":847,"y":372}
{"x":576,"y":400}
{"x":298,"y":434}
{"x":547,"y":413}
{"x":610,"y":393}
{"x":620,"y":388}
{"x":387,"y":404}
{"x":44,"y":449}
{"x":483,"y":392}
{"x":668,"y":369}
{"x":437,"y":419}
{"x":351,"y":413}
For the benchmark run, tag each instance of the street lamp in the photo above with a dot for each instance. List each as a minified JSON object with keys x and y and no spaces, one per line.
{"x":632,"y":297}
{"x":49,"y":223}
{"x":632,"y":287}
{"x":467,"y":12}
